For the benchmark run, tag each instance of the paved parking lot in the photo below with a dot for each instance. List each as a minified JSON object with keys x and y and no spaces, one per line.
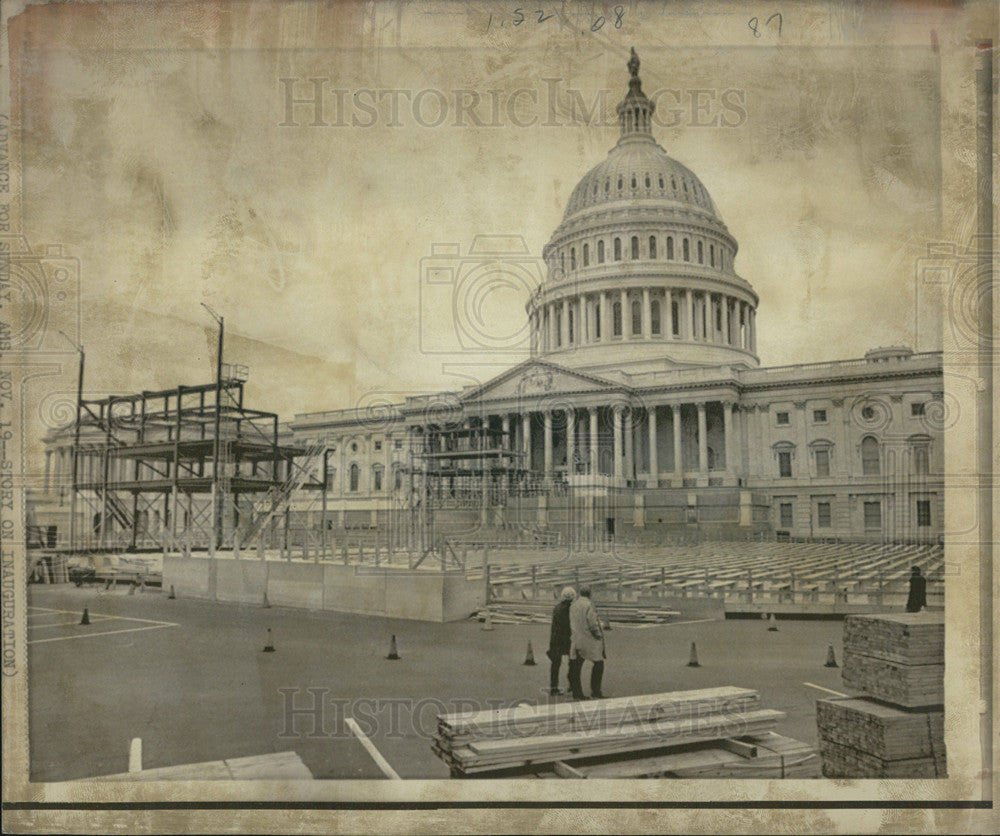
{"x":190,"y":679}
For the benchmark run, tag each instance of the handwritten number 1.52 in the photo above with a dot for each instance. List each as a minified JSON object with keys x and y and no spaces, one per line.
{"x":754,"y":24}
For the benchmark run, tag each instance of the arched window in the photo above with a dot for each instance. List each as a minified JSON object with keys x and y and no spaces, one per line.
{"x":597,"y":319}
{"x":618,"y":249}
{"x":572,"y":258}
{"x":654,"y":317}
{"x":633,"y":181}
{"x":652,"y":246}
{"x":397,"y":479}
{"x":636,"y":316}
{"x":586,"y":255}
{"x":562,"y":261}
{"x":675,"y":319}
{"x":607,"y":186}
{"x":711,"y":255}
{"x":701,"y":253}
{"x":870,"y":456}
{"x":377,"y":477}
{"x":616,"y":319}
{"x":557,"y":325}
{"x":670,"y":247}
{"x":686,"y":247}
{"x":647,"y":180}
{"x":620,"y":182}
{"x":661,"y":181}
{"x":571,"y":323}
{"x":600,"y":252}
{"x":635,"y":247}
{"x":355,"y":477}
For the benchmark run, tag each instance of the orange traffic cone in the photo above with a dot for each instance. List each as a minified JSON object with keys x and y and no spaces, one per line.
{"x":171,"y":596}
{"x":772,"y":624}
{"x":693,"y":662}
{"x":529,"y":659}
{"x":269,"y":643}
{"x":86,"y":617}
{"x":831,"y":659}
{"x":392,"y":649}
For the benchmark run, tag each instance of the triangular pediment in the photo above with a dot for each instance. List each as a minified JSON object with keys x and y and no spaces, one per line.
{"x":539,"y":378}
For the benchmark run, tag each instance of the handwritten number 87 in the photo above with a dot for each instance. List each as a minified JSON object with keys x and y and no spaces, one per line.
{"x":754,"y":24}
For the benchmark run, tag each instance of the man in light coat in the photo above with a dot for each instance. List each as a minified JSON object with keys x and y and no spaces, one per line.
{"x":586,"y":643}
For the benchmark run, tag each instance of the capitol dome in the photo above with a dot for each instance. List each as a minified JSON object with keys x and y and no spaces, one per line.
{"x":640,"y":273}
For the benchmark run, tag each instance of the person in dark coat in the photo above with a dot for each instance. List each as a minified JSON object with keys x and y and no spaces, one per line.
{"x":917,"y":599}
{"x":559,"y":638}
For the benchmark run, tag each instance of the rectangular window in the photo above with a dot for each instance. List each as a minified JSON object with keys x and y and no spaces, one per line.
{"x":785,"y":514}
{"x":823,"y":515}
{"x":916,"y":409}
{"x":873,"y":516}
{"x":378,"y":480}
{"x":923,"y":512}
{"x":822,"y":462}
{"x":785,"y":464}
{"x":819,"y":416}
{"x":398,"y":444}
{"x":782,"y":418}
{"x":378,"y":445}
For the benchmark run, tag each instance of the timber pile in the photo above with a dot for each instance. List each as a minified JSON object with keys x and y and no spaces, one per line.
{"x":895,"y":728}
{"x":859,"y":737}
{"x":761,"y":756}
{"x":546,"y":738}
{"x":896,"y":658}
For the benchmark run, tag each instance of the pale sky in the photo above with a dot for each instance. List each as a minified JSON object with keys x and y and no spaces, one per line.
{"x":154,"y":153}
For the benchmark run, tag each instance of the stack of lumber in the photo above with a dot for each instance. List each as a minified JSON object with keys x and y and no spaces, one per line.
{"x":895,"y":727}
{"x":859,"y":737}
{"x":534,"y":738}
{"x":897,"y":658}
{"x":767,"y":755}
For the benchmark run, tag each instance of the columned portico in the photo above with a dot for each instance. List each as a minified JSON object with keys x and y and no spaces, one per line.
{"x":593,"y":441}
{"x":702,"y":443}
{"x":617,"y":442}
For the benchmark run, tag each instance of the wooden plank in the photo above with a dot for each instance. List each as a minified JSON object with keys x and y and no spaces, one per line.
{"x":674,"y":703}
{"x":738,"y":747}
{"x":880,"y":730}
{"x":564,"y":770}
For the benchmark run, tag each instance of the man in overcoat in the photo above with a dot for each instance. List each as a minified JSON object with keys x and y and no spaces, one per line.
{"x":586,"y":643}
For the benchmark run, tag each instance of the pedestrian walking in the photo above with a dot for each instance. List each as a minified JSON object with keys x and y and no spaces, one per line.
{"x":559,"y":638}
{"x":586,"y":644}
{"x":917,"y":599}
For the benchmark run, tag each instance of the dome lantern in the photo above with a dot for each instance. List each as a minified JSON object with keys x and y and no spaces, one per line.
{"x":635,"y":111}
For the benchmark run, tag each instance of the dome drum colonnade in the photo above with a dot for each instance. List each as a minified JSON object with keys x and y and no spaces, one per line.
{"x":641,"y":279}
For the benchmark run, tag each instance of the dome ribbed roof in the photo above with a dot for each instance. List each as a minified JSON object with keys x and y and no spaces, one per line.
{"x":637,"y":168}
{"x":639,"y":171}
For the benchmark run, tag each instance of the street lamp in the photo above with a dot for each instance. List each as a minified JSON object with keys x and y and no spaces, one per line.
{"x":216,"y":540}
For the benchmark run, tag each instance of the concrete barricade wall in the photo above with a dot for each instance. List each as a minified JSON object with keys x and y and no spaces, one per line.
{"x":393,"y":593}
{"x":188,"y":575}
{"x":241,"y":581}
{"x":295,"y":585}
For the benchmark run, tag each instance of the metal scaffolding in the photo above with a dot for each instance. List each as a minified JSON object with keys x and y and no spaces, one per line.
{"x":191,"y":467}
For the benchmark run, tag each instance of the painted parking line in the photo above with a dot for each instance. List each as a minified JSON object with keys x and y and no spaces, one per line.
{"x":828,"y":690}
{"x":380,"y":761}
{"x":148,"y":624}
{"x":33,"y":622}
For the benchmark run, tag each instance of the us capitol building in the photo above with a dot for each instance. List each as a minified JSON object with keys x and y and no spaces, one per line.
{"x":643,"y":411}
{"x":642,"y":415}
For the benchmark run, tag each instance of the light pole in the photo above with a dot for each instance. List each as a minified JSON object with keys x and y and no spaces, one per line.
{"x":216,"y":540}
{"x":76,"y":442}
